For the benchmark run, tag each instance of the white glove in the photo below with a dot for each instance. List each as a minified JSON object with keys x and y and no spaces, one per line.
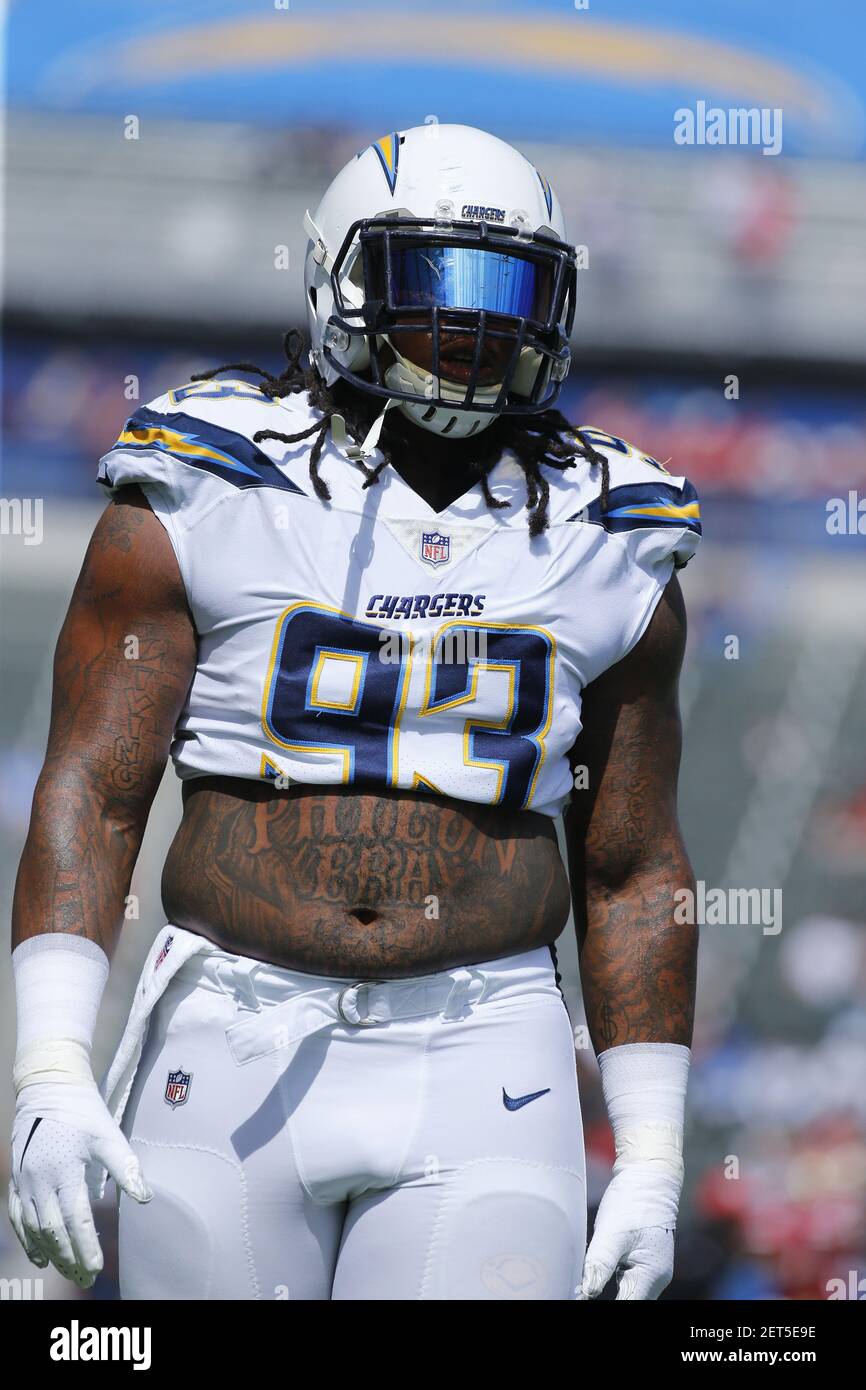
{"x":644,"y":1255}
{"x":644,"y":1089}
{"x":64,"y":1138}
{"x":63,"y":1141}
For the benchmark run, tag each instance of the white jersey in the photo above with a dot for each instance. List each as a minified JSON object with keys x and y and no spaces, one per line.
{"x":372,"y":641}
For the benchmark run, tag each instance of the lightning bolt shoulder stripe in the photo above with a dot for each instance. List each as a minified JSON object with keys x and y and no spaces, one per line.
{"x":200,"y":444}
{"x":648,"y":505}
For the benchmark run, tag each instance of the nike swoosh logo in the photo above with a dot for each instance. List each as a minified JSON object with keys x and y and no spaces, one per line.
{"x":519,"y":1101}
{"x":36,"y":1124}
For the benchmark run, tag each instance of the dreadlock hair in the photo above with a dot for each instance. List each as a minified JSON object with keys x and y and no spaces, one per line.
{"x":547,"y":438}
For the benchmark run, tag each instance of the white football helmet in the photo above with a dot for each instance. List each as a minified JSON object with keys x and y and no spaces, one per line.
{"x":441,"y":228}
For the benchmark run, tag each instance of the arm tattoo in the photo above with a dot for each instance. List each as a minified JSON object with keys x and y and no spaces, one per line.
{"x":626,"y":853}
{"x":122,"y":668}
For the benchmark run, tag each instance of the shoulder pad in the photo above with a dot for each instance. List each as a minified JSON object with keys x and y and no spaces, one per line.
{"x":618,"y":450}
{"x":207,"y":425}
{"x":643,"y":496}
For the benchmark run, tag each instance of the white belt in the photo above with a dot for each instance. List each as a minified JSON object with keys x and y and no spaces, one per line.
{"x":271,"y":1026}
{"x":365,"y":1004}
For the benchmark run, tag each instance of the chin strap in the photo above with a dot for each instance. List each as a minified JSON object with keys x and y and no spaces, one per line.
{"x":321,"y":254}
{"x":359,"y":452}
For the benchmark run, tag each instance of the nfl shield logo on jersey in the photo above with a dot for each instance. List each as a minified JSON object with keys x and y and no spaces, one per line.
{"x":435,"y":548}
{"x":163,"y":953}
{"x":177,"y":1088}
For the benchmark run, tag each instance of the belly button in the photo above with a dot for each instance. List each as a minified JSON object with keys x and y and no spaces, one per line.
{"x":364,"y":915}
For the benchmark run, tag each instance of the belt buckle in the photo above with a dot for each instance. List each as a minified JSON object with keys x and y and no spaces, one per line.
{"x":356,"y":1022}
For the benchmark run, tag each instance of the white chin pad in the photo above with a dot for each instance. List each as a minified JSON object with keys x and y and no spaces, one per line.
{"x":524,"y":376}
{"x":453,"y":424}
{"x":404,"y":375}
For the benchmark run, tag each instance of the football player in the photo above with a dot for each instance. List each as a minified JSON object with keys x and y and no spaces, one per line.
{"x":390,"y":615}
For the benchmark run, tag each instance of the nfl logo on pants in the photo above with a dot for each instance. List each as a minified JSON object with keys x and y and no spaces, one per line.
{"x":435,"y":548}
{"x":177,"y":1088}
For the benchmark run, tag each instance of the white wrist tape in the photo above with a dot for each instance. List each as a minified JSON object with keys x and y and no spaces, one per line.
{"x":59,"y":982}
{"x":645,"y":1093}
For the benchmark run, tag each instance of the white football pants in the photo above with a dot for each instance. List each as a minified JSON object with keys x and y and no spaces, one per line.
{"x":312,"y":1138}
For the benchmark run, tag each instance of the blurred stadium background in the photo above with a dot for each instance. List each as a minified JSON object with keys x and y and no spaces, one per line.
{"x":131,"y":262}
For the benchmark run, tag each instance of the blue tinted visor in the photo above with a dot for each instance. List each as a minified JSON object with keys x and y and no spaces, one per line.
{"x":468,"y":277}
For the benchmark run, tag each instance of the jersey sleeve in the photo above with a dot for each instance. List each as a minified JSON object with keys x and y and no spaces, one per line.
{"x":146,"y":453}
{"x":659,"y":518}
{"x":188,"y":450}
{"x":657,"y":522}
{"x":651,"y":524}
{"x":184,"y":439}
